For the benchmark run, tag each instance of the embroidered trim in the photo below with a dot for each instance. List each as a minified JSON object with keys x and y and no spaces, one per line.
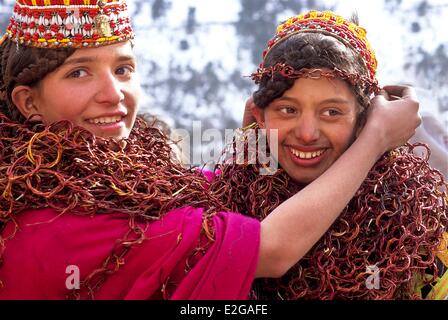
{"x":331,"y":24}
{"x":76,"y":26}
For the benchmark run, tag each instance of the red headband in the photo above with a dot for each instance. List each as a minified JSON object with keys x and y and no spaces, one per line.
{"x":289,"y":72}
{"x":330,"y":24}
{"x":69,"y":23}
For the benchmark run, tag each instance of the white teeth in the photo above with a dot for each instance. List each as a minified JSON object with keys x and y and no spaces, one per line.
{"x":306,"y":155}
{"x":105,"y":120}
{"x":295,"y":152}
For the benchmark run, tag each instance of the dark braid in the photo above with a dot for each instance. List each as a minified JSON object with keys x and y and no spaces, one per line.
{"x":25,"y":66}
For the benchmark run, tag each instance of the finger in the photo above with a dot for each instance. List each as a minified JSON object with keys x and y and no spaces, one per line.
{"x":405,"y":92}
{"x":381,"y":96}
{"x":385,"y":94}
{"x":410,"y":94}
{"x":396,"y":90}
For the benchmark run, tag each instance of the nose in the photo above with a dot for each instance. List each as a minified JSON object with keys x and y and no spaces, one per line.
{"x":307,"y":129}
{"x":110,"y":90}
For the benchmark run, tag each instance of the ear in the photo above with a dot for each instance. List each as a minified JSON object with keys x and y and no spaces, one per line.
{"x":248,"y":117}
{"x":22,"y":97}
{"x":258,"y":114}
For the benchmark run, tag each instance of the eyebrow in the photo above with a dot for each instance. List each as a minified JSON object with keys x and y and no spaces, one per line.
{"x":329,"y":100}
{"x":335,"y":100}
{"x":120,"y":58}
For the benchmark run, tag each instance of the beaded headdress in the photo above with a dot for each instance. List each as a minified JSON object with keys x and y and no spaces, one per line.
{"x":330,"y":24}
{"x":69,"y":23}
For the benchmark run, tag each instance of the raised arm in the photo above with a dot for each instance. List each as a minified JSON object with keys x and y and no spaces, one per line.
{"x":296,"y":225}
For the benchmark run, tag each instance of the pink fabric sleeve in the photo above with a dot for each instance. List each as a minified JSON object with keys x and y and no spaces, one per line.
{"x":228,"y":267}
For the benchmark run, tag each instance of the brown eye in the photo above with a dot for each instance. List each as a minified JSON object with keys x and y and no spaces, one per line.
{"x":126,"y":70}
{"x":287,"y":110}
{"x":78,"y":73}
{"x":332,"y":112}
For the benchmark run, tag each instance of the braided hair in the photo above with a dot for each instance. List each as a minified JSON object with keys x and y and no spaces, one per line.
{"x":20,"y":65}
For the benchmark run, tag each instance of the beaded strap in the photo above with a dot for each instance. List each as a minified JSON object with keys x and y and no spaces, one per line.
{"x":289,"y":72}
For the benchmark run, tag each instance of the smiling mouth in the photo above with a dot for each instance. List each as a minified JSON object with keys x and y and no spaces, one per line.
{"x":105,"y":120}
{"x":306,"y":155}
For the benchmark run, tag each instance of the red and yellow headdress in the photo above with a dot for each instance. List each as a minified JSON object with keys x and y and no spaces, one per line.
{"x":69,"y":23}
{"x":330,"y":24}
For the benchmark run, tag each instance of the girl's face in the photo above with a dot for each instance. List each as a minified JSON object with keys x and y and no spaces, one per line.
{"x":316,"y":122}
{"x":95,"y":88}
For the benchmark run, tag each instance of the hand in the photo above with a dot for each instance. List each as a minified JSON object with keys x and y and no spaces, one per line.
{"x":393,"y":121}
{"x":248,"y":117}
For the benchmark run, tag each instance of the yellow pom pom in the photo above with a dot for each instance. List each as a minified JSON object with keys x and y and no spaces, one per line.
{"x":328,"y":15}
{"x":313,"y":14}
{"x":361,"y":32}
{"x":340,"y":20}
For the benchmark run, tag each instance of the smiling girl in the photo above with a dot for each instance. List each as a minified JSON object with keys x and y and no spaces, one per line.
{"x":316,"y":122}
{"x":316,"y":82}
{"x":104,"y":86}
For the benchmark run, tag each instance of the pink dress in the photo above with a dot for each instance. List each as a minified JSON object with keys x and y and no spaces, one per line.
{"x":36,"y":260}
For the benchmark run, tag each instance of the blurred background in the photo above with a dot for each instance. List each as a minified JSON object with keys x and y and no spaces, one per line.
{"x":195,"y":55}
